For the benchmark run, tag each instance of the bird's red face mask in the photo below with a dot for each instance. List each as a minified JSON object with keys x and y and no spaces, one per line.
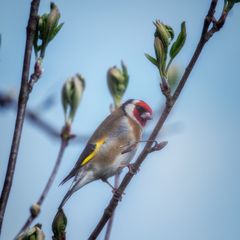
{"x":142,"y":112}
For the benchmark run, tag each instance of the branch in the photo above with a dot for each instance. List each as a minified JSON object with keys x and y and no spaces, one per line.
{"x":168,"y":107}
{"x":8,"y":101}
{"x":35,"y":209}
{"x":110,"y":222}
{"x":22,"y":103}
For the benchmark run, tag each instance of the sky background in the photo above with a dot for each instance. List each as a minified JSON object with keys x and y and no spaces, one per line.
{"x":190,"y":190}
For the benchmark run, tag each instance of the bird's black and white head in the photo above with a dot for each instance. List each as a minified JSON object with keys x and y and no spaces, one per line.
{"x":138,"y":110}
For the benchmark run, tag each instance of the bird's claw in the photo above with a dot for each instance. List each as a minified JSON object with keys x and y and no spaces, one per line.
{"x":117,"y":194}
{"x":132,"y":168}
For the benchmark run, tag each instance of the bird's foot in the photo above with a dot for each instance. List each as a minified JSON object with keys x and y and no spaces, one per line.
{"x":131,"y":167}
{"x":117,"y":195}
{"x":129,"y":147}
{"x":115,"y":190}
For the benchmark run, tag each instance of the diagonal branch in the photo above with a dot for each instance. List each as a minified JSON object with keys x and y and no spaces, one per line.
{"x":22,"y":103}
{"x":205,"y":36}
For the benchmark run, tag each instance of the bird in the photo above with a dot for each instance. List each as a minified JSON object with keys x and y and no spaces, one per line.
{"x":111,"y":147}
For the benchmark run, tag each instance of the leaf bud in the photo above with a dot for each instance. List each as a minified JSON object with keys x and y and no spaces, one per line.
{"x":117,"y":80}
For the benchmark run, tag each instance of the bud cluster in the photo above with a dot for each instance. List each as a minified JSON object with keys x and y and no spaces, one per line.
{"x":47,"y":29}
{"x":71,"y":96}
{"x":117,"y":80}
{"x":163,"y":38}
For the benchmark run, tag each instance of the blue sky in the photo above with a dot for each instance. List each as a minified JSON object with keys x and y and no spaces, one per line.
{"x":190,"y":190}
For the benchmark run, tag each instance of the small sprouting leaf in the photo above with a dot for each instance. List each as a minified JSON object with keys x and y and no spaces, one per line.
{"x":55,"y":31}
{"x":178,"y":44}
{"x":151,"y":59}
{"x":228,"y":4}
{"x":170,"y":31}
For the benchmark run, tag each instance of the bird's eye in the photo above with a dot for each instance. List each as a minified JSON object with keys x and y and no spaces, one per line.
{"x":140,"y":109}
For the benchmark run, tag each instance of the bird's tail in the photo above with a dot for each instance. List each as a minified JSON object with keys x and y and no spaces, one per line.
{"x":66,"y":197}
{"x":78,"y":183}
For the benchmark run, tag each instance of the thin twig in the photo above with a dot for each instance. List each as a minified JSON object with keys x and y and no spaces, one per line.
{"x":34,"y":214}
{"x":22,"y":103}
{"x":7,"y":101}
{"x":168,"y":107}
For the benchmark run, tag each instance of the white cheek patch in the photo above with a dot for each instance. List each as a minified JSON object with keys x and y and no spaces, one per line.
{"x":129,"y":111}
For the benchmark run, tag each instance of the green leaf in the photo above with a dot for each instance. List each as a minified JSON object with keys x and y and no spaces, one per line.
{"x":55,"y":31}
{"x":178,"y":44}
{"x":151,"y":59}
{"x":170,"y":31}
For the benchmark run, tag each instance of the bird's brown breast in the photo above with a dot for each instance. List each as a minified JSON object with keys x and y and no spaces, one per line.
{"x":128,"y":132}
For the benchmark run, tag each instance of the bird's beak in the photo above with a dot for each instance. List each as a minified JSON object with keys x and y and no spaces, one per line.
{"x":146,"y":115}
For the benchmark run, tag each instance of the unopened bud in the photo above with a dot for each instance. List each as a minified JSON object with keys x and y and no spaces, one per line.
{"x":71,"y":95}
{"x":163,"y":36}
{"x":117,"y":80}
{"x":35,"y":210}
{"x":159,"y":51}
{"x":34,"y":233}
{"x":173,"y":76}
{"x":53,"y":16}
{"x":162,"y":33}
{"x":59,"y":225}
{"x":38,"y":70}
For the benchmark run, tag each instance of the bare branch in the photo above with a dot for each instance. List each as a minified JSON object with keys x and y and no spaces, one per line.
{"x":34,"y":214}
{"x":22,"y":103}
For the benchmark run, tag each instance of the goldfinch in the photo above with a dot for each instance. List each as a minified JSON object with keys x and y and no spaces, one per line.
{"x":107,"y":151}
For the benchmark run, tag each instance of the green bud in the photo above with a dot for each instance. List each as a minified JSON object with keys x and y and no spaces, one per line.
{"x":163,"y":36}
{"x":173,"y":76}
{"x":47,"y":29}
{"x":71,"y":96}
{"x":34,"y":233}
{"x":162,"y":33}
{"x":59,"y":225}
{"x":78,"y":85}
{"x":117,"y":80}
{"x":160,"y":53}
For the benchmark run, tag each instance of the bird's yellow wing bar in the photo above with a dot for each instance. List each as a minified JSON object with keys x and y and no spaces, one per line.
{"x":97,"y":146}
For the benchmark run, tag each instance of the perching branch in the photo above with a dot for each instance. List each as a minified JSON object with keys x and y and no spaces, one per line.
{"x":22,"y":103}
{"x":110,"y":222}
{"x":170,"y":101}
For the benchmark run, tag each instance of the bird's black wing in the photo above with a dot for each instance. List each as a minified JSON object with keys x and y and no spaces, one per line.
{"x":87,"y":152}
